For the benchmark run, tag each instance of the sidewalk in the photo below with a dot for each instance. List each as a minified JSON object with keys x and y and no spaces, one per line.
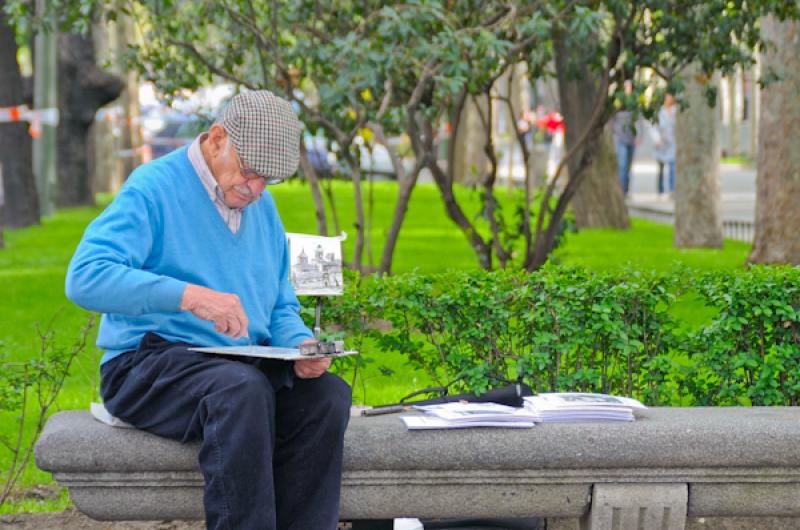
{"x":738,"y":198}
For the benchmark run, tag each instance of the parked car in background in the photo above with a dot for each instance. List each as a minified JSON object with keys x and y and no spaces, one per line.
{"x":318,"y":155}
{"x":164,"y":131}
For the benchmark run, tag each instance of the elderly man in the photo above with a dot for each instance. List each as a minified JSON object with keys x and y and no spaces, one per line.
{"x":192,"y":252}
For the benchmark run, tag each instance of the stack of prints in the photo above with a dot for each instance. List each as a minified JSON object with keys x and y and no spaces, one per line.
{"x":569,"y":406}
{"x":542,"y":408}
{"x":463,"y":414}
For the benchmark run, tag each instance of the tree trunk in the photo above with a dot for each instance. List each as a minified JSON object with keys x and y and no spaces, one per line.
{"x":599,"y":201}
{"x":130,"y":138}
{"x":754,"y":109}
{"x":697,"y":191}
{"x":84,"y":88}
{"x":405,"y":186}
{"x":733,"y":116}
{"x":45,"y":98}
{"x":777,"y":238}
{"x":103,"y":143}
{"x":469,"y":162}
{"x":16,"y":163}
{"x":545,"y":241}
{"x":359,"y":225}
{"x":316,"y":194}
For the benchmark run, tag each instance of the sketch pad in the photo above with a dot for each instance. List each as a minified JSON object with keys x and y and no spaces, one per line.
{"x":269,"y":352}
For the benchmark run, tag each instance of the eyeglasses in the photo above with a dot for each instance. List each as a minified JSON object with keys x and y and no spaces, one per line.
{"x":251,"y":174}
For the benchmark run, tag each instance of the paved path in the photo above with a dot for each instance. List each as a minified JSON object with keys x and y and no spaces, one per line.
{"x":738,"y":201}
{"x":738,"y":191}
{"x":738,"y":185}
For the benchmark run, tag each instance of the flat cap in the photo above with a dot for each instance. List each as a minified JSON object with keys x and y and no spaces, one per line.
{"x":265,"y":131}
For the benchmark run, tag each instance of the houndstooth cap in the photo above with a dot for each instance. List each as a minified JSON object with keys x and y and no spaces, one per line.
{"x":265,"y":131}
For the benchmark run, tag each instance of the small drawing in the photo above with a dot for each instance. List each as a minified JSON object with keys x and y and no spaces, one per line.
{"x":316,"y":264}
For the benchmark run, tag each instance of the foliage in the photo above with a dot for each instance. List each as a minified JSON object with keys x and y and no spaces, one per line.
{"x":600,"y":332}
{"x":751,"y":351}
{"x":365,"y":70}
{"x":567,"y":329}
{"x":33,"y":383}
{"x":351,"y":318}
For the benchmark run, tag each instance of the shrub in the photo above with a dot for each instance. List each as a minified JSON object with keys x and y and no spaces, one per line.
{"x":567,"y":329}
{"x":751,"y":352}
{"x":600,"y":332}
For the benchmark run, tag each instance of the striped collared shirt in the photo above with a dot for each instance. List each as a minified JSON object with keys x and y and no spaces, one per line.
{"x":231,"y":216}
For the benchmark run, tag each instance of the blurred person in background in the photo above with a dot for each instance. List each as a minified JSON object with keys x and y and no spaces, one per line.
{"x":625,"y":137}
{"x":664,"y":144}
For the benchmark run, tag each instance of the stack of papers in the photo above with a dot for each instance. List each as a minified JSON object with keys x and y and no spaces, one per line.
{"x":572,"y":406}
{"x":463,"y":414}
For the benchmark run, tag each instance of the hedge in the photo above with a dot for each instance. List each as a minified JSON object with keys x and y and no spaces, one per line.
{"x":567,"y":329}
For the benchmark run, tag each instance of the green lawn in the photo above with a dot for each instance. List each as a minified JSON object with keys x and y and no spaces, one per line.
{"x":429,"y":242}
{"x":33,"y":264}
{"x":647,"y":246}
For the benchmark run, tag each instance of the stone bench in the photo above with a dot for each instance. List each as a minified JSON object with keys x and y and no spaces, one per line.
{"x":670,"y":464}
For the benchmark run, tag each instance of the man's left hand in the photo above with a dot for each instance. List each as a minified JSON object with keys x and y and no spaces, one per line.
{"x":311,"y":368}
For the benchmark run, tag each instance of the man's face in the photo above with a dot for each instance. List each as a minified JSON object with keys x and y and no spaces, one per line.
{"x":239,"y":185}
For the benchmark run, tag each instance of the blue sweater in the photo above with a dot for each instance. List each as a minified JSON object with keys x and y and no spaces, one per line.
{"x":161,"y":232}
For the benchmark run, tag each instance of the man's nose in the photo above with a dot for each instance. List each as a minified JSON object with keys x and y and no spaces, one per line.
{"x":256,"y":186}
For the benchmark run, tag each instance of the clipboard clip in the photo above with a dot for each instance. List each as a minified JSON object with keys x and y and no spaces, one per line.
{"x":322,"y":348}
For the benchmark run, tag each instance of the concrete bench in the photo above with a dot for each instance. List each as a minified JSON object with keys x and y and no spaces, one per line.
{"x":672,"y":463}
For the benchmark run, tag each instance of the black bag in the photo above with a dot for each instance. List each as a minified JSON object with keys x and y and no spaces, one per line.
{"x":510,"y":394}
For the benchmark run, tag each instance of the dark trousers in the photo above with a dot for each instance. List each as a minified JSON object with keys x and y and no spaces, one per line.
{"x":270,"y":444}
{"x":624,"y":163}
{"x":670,"y":176}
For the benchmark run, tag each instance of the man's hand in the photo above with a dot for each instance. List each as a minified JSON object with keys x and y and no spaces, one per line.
{"x":223,"y":309}
{"x":311,"y":368}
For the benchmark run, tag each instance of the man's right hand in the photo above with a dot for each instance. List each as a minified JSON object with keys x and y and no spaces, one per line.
{"x":223,"y":309}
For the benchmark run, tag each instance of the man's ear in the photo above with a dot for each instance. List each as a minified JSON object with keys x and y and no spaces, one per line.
{"x":217,"y":138}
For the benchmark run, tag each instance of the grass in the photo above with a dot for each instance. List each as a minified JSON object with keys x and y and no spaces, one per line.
{"x":428,"y":241}
{"x":32,"y":268}
{"x":742,"y":160}
{"x":646,"y":246}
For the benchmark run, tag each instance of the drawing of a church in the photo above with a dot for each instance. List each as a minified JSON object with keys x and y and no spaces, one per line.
{"x":320,"y":271}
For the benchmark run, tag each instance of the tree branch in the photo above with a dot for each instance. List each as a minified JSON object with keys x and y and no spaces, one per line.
{"x":211,"y":67}
{"x":455,"y":124}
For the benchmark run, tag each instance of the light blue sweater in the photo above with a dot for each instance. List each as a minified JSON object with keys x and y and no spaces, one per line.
{"x":161,"y":232}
